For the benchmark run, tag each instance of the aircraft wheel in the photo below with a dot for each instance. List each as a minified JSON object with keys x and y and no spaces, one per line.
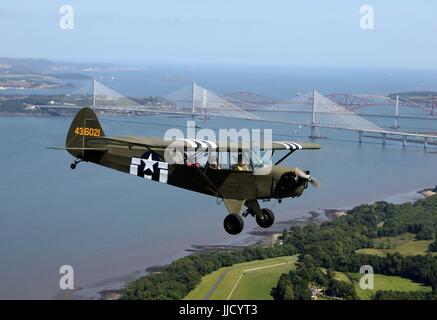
{"x":233,"y":224}
{"x":73,"y":166}
{"x":267,"y":218}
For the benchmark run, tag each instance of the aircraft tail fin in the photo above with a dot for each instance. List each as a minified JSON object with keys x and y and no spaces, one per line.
{"x":84,"y":125}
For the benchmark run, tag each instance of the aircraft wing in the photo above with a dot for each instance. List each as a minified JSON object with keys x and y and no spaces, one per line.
{"x":289,"y":145}
{"x":292,"y":147}
{"x":156,"y":143}
{"x":194,"y":144}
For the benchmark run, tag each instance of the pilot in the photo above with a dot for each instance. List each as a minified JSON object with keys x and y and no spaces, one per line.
{"x":241,"y":166}
{"x":213,"y":163}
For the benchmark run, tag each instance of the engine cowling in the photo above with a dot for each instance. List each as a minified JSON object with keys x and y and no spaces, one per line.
{"x":291,"y":182}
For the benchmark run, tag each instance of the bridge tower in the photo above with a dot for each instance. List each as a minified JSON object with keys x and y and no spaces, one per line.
{"x":193,"y":104}
{"x":314,"y":130}
{"x":396,"y":125}
{"x":433,"y":105}
{"x":204,"y":102}
{"x":94,"y":92}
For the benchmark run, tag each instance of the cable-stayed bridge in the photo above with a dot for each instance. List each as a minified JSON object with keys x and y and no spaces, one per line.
{"x":369,"y":105}
{"x":192,"y":100}
{"x":196,"y":100}
{"x":330,"y":111}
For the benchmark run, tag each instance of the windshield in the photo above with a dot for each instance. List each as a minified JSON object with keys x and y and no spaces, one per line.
{"x":261,"y":158}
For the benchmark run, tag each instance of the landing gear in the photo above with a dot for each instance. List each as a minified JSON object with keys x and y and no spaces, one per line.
{"x":266,"y":219}
{"x":233,"y":224}
{"x":74,"y":164}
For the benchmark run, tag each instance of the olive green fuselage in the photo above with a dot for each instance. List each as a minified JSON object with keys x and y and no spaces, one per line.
{"x":230,"y":184}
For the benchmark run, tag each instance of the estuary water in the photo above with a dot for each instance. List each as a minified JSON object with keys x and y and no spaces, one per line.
{"x":109,"y":225}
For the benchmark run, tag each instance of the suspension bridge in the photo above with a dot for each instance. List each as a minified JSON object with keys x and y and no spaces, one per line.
{"x":332,"y":111}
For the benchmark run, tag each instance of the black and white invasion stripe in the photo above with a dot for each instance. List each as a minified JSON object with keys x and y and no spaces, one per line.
{"x":290,"y":145}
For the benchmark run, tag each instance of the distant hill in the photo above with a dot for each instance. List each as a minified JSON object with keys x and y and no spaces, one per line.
{"x":26,"y":65}
{"x":413,"y":94}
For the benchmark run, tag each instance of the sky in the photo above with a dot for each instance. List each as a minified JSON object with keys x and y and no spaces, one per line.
{"x":217,"y":32}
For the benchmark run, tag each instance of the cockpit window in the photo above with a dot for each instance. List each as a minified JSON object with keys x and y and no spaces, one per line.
{"x":260,"y":158}
{"x":240,"y":161}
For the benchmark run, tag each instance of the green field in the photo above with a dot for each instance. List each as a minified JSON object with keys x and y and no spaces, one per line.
{"x":382,"y":282}
{"x":254,"y":281}
{"x":405,"y":244}
{"x":249,"y":280}
{"x":340,"y":276}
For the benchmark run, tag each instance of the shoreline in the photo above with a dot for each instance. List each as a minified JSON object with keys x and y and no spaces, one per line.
{"x":111,"y":289}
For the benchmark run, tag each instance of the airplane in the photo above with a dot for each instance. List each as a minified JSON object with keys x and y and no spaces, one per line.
{"x":236,"y":185}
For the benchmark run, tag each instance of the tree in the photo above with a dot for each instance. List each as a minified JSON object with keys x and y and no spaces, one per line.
{"x":284,"y":288}
{"x":288,"y":293}
{"x":341,"y":289}
{"x":433,"y":246}
{"x":424,"y":234}
{"x":301,"y":291}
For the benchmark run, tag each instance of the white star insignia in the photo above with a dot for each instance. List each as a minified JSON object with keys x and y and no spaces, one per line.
{"x":148,"y":163}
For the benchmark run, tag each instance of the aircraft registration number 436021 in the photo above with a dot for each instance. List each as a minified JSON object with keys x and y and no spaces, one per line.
{"x":91,"y":132}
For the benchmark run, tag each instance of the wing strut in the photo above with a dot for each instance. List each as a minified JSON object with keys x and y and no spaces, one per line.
{"x":286,"y":156}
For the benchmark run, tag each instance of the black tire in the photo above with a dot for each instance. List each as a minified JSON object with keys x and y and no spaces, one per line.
{"x":268,"y":218}
{"x":233,"y":224}
{"x":73,"y":166}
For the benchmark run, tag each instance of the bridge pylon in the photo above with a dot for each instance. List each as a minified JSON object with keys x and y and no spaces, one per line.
{"x":396,"y":124}
{"x":315,"y":133}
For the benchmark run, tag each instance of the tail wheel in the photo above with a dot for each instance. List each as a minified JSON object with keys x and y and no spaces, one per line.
{"x":267,"y":218}
{"x":233,"y":224}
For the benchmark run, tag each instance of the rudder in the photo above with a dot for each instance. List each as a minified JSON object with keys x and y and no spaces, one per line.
{"x":84,"y":125}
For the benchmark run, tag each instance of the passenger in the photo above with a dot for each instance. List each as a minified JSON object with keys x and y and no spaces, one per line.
{"x":240,"y":166}
{"x":213,"y":163}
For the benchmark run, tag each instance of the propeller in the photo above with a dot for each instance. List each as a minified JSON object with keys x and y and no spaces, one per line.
{"x":303,"y":175}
